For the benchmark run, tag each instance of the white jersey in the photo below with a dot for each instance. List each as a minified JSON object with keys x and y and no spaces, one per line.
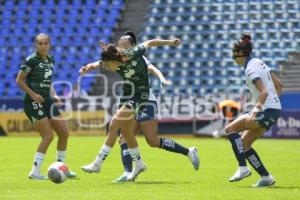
{"x":257,"y":69}
{"x":151,"y":94}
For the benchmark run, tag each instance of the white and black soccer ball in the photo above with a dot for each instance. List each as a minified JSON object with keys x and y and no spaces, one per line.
{"x":57,"y":172}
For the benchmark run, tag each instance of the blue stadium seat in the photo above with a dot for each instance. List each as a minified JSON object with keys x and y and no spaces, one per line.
{"x":73,"y":38}
{"x":208,"y":29}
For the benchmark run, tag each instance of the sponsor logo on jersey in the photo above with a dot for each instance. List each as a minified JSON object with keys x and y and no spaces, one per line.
{"x":48,"y":73}
{"x":40,"y":112}
{"x":129,"y":73}
{"x":43,"y":85}
{"x":44,"y":65}
{"x":133,"y":63}
{"x":25,"y":68}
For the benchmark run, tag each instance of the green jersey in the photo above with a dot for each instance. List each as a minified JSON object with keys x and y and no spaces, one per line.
{"x":134,"y":72}
{"x":39,"y":74}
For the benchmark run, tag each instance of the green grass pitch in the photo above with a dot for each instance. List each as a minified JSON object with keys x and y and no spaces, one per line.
{"x":169,"y":175}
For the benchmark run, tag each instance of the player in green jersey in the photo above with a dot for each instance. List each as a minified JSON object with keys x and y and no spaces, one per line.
{"x":140,"y":99}
{"x":146,"y":120}
{"x":40,"y":103}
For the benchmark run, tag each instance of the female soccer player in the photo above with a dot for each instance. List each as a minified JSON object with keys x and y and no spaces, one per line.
{"x":148,"y":124}
{"x":130,"y":64}
{"x":34,"y":78}
{"x":129,"y":40}
{"x":266,"y":88}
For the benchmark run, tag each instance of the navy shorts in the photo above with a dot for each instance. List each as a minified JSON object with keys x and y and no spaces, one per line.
{"x":147,"y":111}
{"x":267,"y":118}
{"x":134,"y":102}
{"x":143,"y":108}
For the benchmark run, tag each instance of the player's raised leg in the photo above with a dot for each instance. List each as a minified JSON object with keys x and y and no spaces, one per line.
{"x":150,"y":130}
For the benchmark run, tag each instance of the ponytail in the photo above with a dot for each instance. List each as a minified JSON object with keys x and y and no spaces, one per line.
{"x":110,"y":53}
{"x":132,"y":36}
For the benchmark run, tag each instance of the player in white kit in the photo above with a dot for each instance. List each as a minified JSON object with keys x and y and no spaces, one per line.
{"x":246,"y":129}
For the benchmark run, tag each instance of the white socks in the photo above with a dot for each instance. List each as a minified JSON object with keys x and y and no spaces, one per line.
{"x":61,"y":156}
{"x":38,"y":160}
{"x":135,"y":154}
{"x":103,"y":153}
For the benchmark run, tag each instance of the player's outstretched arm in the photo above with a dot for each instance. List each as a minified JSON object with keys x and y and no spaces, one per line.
{"x":89,"y":67}
{"x":156,"y":72}
{"x":159,"y":42}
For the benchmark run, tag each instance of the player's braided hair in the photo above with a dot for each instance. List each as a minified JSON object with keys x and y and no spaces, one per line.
{"x":244,"y":44}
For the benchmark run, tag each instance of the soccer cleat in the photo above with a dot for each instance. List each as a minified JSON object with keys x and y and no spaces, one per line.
{"x":241,"y":173}
{"x":71,"y":174}
{"x":91,"y":168}
{"x":265,"y":181}
{"x":139,"y":168}
{"x":122,"y":178}
{"x":35,"y":175}
{"x":193,"y":156}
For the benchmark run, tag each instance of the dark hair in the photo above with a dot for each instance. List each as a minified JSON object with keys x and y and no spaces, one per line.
{"x":132,"y":37}
{"x":111,"y":53}
{"x":41,"y":35}
{"x":245,"y":36}
{"x":244,"y":44}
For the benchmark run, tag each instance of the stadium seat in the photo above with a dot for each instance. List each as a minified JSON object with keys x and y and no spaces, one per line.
{"x":208,"y":29}
{"x":72,"y":26}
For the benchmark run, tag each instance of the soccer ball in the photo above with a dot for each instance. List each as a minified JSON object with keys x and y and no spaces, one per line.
{"x":57,"y":172}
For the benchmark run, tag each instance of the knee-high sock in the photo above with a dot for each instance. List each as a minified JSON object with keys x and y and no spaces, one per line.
{"x":237,"y":146}
{"x":173,"y":146}
{"x":126,"y":158}
{"x":60,"y":156}
{"x":38,"y":159}
{"x":103,"y":153}
{"x":256,"y":163}
{"x":135,"y":155}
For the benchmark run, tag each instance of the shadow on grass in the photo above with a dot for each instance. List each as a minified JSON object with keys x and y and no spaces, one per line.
{"x":152,"y":183}
{"x":159,"y":182}
{"x":272,"y":187}
{"x":73,"y":179}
